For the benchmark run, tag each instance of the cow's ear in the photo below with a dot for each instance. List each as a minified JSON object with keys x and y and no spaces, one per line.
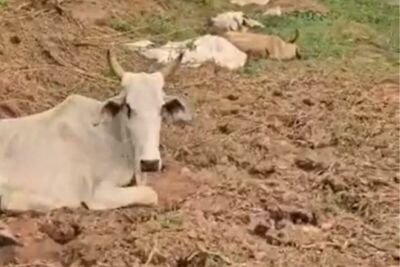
{"x":176,"y":109}
{"x":109,"y":108}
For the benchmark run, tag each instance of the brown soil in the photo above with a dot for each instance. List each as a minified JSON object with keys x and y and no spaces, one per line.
{"x":294,"y":167}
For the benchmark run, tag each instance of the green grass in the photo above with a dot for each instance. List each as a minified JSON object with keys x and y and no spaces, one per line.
{"x":183,"y":20}
{"x":254,"y":67}
{"x":171,"y":222}
{"x":351,"y":28}
{"x":362,"y":33}
{"x":3,"y":3}
{"x":120,"y":24}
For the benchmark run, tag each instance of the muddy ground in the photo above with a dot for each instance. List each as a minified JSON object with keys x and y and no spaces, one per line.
{"x":295,"y":166}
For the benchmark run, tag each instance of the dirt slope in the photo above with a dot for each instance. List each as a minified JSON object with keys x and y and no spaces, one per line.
{"x":297,"y":166}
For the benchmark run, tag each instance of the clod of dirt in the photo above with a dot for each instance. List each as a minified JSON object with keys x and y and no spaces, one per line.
{"x":308,"y":164}
{"x":226,"y":128}
{"x":61,"y":232}
{"x":396,"y":255}
{"x":198,"y":260}
{"x":277,"y":93}
{"x":7,"y":238}
{"x":262,"y":168}
{"x":303,"y":217}
{"x":276,"y":241}
{"x":261,"y":228}
{"x":328,"y":225}
{"x":336,"y":184}
{"x":232,"y":97}
{"x":294,"y":215}
{"x":15,"y":39}
{"x":308,"y":102}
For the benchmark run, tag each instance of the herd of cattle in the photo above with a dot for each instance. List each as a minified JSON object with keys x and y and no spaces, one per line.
{"x":85,"y":152}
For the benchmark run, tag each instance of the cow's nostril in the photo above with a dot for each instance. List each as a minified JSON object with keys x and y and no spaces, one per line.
{"x":149,"y":165}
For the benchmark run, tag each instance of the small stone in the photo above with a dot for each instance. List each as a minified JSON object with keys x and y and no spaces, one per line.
{"x":328,"y":225}
{"x":15,"y":39}
{"x":310,"y":229}
{"x":232,"y":97}
{"x":263,"y":168}
{"x":192,"y":234}
{"x":186,"y":171}
{"x":308,"y":164}
{"x":396,"y":254}
{"x":260,"y":229}
{"x":61,"y":232}
{"x":276,"y":93}
{"x":308,"y":102}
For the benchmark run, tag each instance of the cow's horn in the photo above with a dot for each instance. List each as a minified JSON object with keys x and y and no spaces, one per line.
{"x":294,"y":39}
{"x":114,"y":65}
{"x":170,"y":68}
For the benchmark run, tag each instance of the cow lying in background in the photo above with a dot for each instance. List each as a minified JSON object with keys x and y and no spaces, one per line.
{"x":264,"y":45}
{"x":86,"y":151}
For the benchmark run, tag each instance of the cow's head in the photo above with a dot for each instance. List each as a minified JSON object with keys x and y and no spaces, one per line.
{"x":140,"y":106}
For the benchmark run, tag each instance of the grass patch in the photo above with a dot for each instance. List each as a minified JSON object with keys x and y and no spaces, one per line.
{"x":120,"y":24}
{"x":184,"y":20}
{"x":164,"y":28}
{"x":171,"y":222}
{"x":362,"y":33}
{"x":345,"y":30}
{"x":254,"y":67}
{"x":3,"y":3}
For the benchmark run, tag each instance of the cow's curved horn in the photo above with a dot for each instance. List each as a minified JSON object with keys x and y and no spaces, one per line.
{"x":170,"y":68}
{"x":294,"y":39}
{"x":114,"y":65}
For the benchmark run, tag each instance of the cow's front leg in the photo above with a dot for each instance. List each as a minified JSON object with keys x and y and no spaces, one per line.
{"x":109,"y":196}
{"x":21,"y":200}
{"x":141,"y":178}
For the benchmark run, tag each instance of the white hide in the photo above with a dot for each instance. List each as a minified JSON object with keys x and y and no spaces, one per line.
{"x":233,"y":21}
{"x":58,"y":158}
{"x":204,"y":48}
{"x":163,"y":54}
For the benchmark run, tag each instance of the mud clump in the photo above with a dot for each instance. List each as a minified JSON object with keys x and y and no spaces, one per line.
{"x":61,"y":232}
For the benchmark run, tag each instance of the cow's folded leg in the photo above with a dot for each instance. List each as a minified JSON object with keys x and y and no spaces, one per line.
{"x":19,"y":200}
{"x":109,"y":196}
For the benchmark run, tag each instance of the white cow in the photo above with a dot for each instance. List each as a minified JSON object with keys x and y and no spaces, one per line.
{"x":86,"y":151}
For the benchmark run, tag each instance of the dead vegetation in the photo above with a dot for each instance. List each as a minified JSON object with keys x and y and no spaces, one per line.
{"x":295,"y":166}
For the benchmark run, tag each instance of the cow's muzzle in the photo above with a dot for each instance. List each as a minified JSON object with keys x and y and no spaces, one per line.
{"x":150,"y":165}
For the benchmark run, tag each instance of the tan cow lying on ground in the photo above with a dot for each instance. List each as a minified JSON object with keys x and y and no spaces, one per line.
{"x":84,"y":150}
{"x":264,"y":45}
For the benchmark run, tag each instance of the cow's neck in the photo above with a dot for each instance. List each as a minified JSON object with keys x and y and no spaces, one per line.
{"x":120,"y":132}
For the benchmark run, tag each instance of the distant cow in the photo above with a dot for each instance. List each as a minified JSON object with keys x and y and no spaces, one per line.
{"x":86,"y":151}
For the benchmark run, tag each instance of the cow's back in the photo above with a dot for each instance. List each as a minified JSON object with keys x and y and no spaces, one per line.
{"x":39,"y":152}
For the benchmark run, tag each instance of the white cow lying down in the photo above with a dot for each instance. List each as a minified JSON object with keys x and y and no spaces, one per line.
{"x":85,"y":151}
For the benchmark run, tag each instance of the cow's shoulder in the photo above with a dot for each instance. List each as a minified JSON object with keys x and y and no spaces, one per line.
{"x":76,"y":100}
{"x":74,"y":104}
